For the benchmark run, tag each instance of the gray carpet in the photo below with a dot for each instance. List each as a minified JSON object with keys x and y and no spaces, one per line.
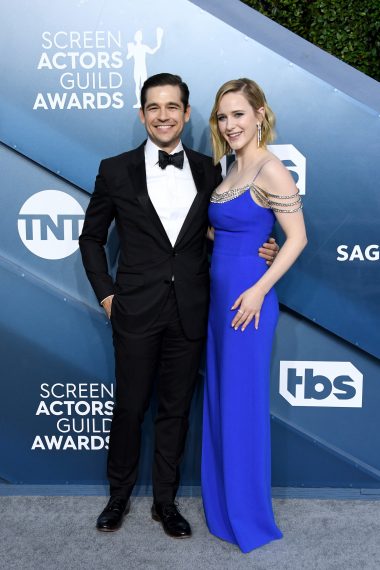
{"x":57,"y":533}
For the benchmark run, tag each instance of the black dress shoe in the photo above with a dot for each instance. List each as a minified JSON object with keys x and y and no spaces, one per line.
{"x":111,"y":517}
{"x":171,"y":519}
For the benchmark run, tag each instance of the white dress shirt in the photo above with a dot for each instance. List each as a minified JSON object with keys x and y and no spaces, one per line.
{"x":171,"y":190}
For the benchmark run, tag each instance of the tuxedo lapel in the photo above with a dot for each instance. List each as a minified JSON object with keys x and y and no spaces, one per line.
{"x":197,"y":172}
{"x":138,"y":176}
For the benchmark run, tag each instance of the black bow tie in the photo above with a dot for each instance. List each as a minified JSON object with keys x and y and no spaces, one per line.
{"x":175,"y":159}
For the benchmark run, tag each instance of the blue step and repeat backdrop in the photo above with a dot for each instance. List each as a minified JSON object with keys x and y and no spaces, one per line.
{"x":69,"y":96}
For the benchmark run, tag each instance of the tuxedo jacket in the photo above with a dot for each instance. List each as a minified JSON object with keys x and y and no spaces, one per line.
{"x":148,"y":263}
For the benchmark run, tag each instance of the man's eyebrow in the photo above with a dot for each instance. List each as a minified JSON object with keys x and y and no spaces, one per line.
{"x":168,"y":104}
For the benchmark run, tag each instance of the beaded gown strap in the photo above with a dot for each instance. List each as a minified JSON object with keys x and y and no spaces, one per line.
{"x":286,"y":204}
{"x":274,"y":201}
{"x":228,"y":195}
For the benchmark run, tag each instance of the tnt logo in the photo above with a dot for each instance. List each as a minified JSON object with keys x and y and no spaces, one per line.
{"x":50,"y":223}
{"x":294,"y":161}
{"x":325,"y":384}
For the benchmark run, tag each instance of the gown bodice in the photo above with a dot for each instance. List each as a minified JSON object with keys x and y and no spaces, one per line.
{"x":241,"y":225}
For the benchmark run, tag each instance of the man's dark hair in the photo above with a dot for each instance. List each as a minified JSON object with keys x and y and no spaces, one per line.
{"x":165,"y":79}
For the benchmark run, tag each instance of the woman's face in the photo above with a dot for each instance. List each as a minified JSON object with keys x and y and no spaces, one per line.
{"x":237,"y":121}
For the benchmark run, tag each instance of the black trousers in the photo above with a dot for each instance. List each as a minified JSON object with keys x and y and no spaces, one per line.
{"x":165,"y":355}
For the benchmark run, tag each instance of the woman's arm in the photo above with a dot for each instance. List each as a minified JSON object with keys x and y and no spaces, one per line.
{"x":283,"y":196}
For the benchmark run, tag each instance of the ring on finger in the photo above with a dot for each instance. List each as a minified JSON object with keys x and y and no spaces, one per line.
{"x":239,"y":311}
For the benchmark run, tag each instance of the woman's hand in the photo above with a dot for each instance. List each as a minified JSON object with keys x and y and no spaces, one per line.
{"x":248,"y":306}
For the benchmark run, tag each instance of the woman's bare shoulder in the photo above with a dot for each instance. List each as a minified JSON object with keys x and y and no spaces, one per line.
{"x":275,"y":177}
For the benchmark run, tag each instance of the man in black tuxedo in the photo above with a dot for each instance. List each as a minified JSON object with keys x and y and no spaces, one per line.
{"x":158,"y":195}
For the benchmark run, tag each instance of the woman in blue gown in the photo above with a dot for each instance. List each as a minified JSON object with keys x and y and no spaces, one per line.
{"x":258,"y":189}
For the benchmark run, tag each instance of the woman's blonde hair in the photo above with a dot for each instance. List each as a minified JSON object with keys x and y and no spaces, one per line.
{"x":256,"y":98}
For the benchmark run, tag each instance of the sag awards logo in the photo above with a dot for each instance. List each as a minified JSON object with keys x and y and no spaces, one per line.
{"x":50,"y":223}
{"x":323,"y":384}
{"x":86,"y":68}
{"x":79,"y":414}
{"x":358,"y":253}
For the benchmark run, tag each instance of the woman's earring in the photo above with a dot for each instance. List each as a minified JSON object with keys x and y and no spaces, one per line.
{"x":258,"y":135}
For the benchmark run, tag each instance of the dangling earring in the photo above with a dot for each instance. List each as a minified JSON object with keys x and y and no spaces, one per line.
{"x":258,"y":135}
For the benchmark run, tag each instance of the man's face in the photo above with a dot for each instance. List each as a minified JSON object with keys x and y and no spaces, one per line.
{"x":164,"y":116}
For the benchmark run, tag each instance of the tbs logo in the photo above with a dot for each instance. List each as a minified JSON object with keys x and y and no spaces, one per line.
{"x":50,"y":223}
{"x":325,"y":384}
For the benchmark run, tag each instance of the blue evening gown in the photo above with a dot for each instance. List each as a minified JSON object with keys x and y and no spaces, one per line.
{"x":236,"y":466}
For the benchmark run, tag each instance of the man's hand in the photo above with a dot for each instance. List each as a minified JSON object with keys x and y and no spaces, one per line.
{"x":107,"y":305}
{"x":269,"y":250}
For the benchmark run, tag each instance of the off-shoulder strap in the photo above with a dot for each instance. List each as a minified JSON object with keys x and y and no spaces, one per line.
{"x":275,"y":201}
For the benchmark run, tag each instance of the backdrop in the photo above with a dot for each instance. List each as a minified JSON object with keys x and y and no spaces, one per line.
{"x":73,"y":71}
